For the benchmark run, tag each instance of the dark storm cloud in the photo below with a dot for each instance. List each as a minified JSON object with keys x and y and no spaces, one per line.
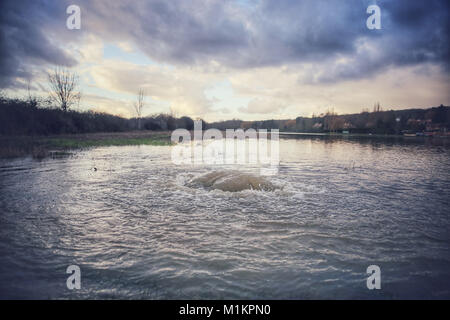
{"x":174,"y":31}
{"x":330,"y":37}
{"x":24,"y":39}
{"x":325,"y":32}
{"x":420,"y":30}
{"x":236,"y":35}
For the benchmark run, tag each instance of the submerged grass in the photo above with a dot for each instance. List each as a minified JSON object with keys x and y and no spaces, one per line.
{"x":42,"y":147}
{"x":76,"y":143}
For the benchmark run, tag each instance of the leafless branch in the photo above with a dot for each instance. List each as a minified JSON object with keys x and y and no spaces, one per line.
{"x":139,"y":106}
{"x":63,"y":88}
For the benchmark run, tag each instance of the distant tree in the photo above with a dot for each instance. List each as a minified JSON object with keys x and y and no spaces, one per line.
{"x":139,"y":106}
{"x":32,"y":99}
{"x":329,"y":120}
{"x":377,"y":107}
{"x":290,"y":125}
{"x":187,"y":123}
{"x":63,"y":88}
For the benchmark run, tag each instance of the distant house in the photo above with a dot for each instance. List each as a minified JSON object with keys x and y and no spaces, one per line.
{"x":317,"y":125}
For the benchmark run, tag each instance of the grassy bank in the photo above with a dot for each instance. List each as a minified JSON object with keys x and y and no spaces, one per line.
{"x":58,"y":145}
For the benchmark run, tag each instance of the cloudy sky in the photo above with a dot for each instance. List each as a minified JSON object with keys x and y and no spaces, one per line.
{"x":244,"y":59}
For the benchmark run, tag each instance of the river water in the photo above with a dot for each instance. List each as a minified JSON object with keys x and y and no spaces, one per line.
{"x":137,"y":229}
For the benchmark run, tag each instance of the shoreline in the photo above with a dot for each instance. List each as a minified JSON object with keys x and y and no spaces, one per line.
{"x":361,"y":135}
{"x":40,"y":147}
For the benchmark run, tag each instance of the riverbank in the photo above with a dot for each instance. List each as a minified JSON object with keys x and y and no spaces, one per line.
{"x":59,"y":145}
{"x":363,"y":135}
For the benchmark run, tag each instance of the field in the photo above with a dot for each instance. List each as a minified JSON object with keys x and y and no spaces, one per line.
{"x":44,"y":146}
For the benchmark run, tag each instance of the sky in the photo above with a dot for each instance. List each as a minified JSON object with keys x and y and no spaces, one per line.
{"x":219,"y":59}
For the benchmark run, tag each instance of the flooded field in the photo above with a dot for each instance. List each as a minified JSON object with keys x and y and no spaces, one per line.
{"x":139,"y":226}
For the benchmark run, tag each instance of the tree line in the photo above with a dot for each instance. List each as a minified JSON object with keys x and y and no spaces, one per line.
{"x":55,"y":115}
{"x":377,"y":121}
{"x":25,"y":117}
{"x":35,"y":117}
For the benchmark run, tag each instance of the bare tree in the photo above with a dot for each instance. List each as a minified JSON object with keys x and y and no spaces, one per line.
{"x":63,"y":88}
{"x":32,"y":99}
{"x":377,"y":107}
{"x":139,"y":106}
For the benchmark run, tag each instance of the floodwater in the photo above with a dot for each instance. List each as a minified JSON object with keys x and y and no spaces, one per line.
{"x":139,"y":228}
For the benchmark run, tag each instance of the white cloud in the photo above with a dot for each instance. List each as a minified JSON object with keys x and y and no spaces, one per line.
{"x":183,"y":89}
{"x":264,"y":106}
